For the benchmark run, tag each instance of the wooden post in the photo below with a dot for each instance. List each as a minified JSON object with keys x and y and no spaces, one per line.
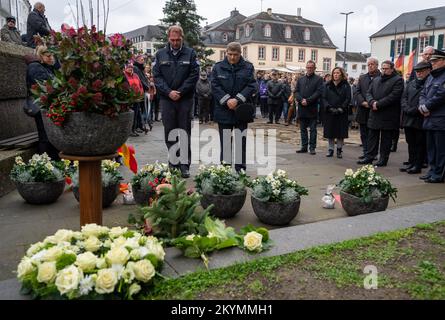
{"x":90,"y":187}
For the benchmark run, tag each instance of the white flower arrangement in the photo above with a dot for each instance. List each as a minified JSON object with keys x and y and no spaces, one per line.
{"x":221,"y":180}
{"x":110,"y":173}
{"x":40,"y":168}
{"x":88,"y":264}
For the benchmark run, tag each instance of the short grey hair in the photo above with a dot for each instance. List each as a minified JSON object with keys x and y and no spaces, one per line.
{"x":38,"y":5}
{"x":428,"y":48}
{"x":177,"y":29}
{"x":372,"y":59}
{"x":234,"y":46}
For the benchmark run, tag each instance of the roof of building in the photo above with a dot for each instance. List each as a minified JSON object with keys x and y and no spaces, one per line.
{"x":282,"y":18}
{"x":228,"y":24}
{"x":412,"y":21}
{"x":148,"y":32}
{"x":351,"y":56}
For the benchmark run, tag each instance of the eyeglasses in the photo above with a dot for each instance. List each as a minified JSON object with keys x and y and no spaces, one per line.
{"x":386,"y":68}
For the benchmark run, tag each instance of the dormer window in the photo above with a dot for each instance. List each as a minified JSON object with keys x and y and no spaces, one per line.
{"x":267,"y":31}
{"x":288,"y":33}
{"x":429,"y":21}
{"x":225,"y":37}
{"x":237,"y":33}
{"x":247,"y":31}
{"x":307,"y":34}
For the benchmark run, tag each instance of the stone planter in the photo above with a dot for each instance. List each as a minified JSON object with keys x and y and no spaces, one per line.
{"x":109,"y":194}
{"x":225,"y":206}
{"x":274,"y":213}
{"x":89,"y":134}
{"x":355,"y":206}
{"x":41,"y":192}
{"x":142,"y":197}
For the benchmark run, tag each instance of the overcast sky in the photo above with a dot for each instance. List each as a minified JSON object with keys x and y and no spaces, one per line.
{"x":368,"y":18}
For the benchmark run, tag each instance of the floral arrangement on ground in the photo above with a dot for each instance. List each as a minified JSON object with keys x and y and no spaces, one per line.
{"x":40,"y":168}
{"x":110,"y":173}
{"x":220,"y":180}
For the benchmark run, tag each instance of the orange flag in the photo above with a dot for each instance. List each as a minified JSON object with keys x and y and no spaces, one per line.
{"x":128,"y":154}
{"x":399,"y":65}
{"x":410,"y":62}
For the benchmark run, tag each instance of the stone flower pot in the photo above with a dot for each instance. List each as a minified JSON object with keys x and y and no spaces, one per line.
{"x":276,"y":213}
{"x":41,"y":192}
{"x":225,"y":206}
{"x":354,"y":206}
{"x":109,"y":194}
{"x":89,"y":134}
{"x":142,"y":197}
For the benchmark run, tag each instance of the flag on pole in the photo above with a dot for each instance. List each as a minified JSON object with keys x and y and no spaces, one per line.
{"x":128,"y":154}
{"x":399,"y":65}
{"x":410,"y":67}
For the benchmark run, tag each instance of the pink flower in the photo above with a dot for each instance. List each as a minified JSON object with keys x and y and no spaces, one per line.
{"x":117,"y":40}
{"x":97,"y":85}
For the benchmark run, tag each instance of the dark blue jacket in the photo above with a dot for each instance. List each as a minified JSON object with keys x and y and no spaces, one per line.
{"x":433,"y":97}
{"x":232,"y":82}
{"x":37,"y":23}
{"x":176,"y":73}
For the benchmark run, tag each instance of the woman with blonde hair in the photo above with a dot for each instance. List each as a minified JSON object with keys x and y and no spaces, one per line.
{"x":336,"y":100}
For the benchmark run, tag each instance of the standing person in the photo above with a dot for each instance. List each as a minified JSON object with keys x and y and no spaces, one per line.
{"x":263,"y":97}
{"x":308,"y":94}
{"x":9,"y":32}
{"x":287,"y":92}
{"x":135,"y":83}
{"x":336,"y":100}
{"x":204,"y":94}
{"x":412,"y":119}
{"x":233,"y":84}
{"x":426,"y":57}
{"x":384,"y":97}
{"x":37,"y":24}
{"x":363,"y":107}
{"x":274,"y":98}
{"x":139,"y":69}
{"x":42,"y":70}
{"x":176,"y":72}
{"x":432,"y":107}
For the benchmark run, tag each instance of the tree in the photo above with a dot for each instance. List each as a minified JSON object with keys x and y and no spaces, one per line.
{"x":183,"y":13}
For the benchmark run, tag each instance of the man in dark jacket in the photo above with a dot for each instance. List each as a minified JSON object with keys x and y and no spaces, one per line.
{"x":204,"y":94}
{"x":37,"y":24}
{"x":412,"y":119}
{"x":275,"y":98}
{"x":308,"y":94}
{"x":363,"y":107}
{"x":233,"y":84}
{"x":9,"y":32}
{"x":384,"y":97}
{"x":176,"y":72}
{"x":432,"y":107}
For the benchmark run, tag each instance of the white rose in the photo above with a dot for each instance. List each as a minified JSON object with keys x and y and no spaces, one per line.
{"x":52,"y":254}
{"x":68,"y":279}
{"x":118,"y":255}
{"x":90,"y":230}
{"x":92,"y":244}
{"x":35,"y":248}
{"x":349,"y":172}
{"x":190,"y":237}
{"x":101,"y":264}
{"x":86,"y":261}
{"x":119,"y":242}
{"x":117,"y":232}
{"x":156,"y":249}
{"x":64,"y":235}
{"x":134,"y":289}
{"x":144,"y":270}
{"x":50,"y":240}
{"x":47,"y":272}
{"x":253,"y":241}
{"x":25,"y":268}
{"x":106,"y":281}
{"x":78,"y":235}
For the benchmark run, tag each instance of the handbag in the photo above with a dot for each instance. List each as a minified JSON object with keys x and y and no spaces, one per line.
{"x":30,"y":108}
{"x":245,"y":113}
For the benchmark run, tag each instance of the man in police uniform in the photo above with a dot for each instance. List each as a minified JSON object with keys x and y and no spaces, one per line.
{"x":176,"y":73}
{"x":432,"y":107}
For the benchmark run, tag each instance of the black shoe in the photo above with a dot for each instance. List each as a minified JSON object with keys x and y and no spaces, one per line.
{"x":270,"y":122}
{"x":365,"y":161}
{"x":425,"y":177}
{"x":134,"y":134}
{"x":362,"y":157}
{"x":407,"y":163}
{"x":277,"y":122}
{"x":330,"y":154}
{"x":425,"y":166}
{"x":431,"y":180}
{"x":414,"y":170}
{"x":302,"y":151}
{"x":382,"y":163}
{"x":406,"y":168}
{"x":185,"y":173}
{"x":312,"y":152}
{"x":339,"y":153}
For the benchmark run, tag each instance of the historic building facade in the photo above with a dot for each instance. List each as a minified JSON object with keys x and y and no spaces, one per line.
{"x":145,"y":39}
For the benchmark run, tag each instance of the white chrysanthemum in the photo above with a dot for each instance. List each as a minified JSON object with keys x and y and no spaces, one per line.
{"x":86,"y":285}
{"x":128,"y":274}
{"x":134,"y":289}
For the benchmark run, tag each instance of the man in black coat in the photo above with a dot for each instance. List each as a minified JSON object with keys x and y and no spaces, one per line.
{"x":363,"y":107}
{"x":275,"y":98}
{"x":308,"y":94}
{"x":384,"y":97}
{"x":412,"y":119}
{"x":175,"y":73}
{"x":37,"y":24}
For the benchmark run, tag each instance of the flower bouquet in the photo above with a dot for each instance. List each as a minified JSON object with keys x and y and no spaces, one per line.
{"x":95,"y":263}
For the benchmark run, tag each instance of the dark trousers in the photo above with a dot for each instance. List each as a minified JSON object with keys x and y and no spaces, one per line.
{"x":264,"y":107}
{"x":137,"y":118}
{"x":395,"y":139}
{"x":364,"y":132}
{"x":306,"y":123}
{"x":44,"y":145}
{"x":275,"y":109}
{"x":204,"y":109}
{"x":436,"y":153}
{"x":416,"y":139}
{"x":382,"y":138}
{"x":176,"y":117}
{"x":227,"y":144}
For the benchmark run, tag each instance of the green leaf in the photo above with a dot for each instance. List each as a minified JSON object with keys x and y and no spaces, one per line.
{"x":65,"y":260}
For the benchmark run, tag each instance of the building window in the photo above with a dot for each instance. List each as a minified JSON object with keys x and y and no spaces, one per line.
{"x":363,"y":67}
{"x":346,"y":67}
{"x":424,"y":42}
{"x":225,"y":37}
{"x":401,"y":46}
{"x":314,"y":55}
{"x":289,"y":54}
{"x":245,"y":52}
{"x":267,"y":31}
{"x":247,"y":31}
{"x":275,"y":53}
{"x":307,"y":34}
{"x":301,"y":55}
{"x":261,"y":53}
{"x":288,"y":33}
{"x":222,"y":55}
{"x":237,"y":33}
{"x":327,"y":62}
{"x":354,"y":67}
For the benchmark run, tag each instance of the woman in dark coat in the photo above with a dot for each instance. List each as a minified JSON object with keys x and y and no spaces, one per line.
{"x":336,"y":100}
{"x":41,"y":70}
